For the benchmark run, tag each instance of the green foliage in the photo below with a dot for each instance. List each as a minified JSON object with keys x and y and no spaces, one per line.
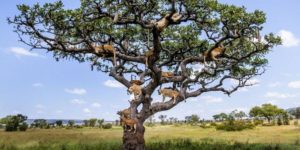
{"x":100,"y":122}
{"x":285,"y":118}
{"x":59,"y":123}
{"x":192,"y":120}
{"x":12,"y":123}
{"x":23,"y":126}
{"x":107,"y":126}
{"x":40,"y":123}
{"x":71,"y":123}
{"x":257,"y":121}
{"x":268,"y":111}
{"x":235,"y":125}
{"x":92,"y":122}
{"x":220,"y":117}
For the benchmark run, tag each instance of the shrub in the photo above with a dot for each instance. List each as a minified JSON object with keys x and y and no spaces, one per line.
{"x":1,"y":126}
{"x":257,"y":122}
{"x":235,"y":125}
{"x":107,"y":126}
{"x":23,"y":126}
{"x":213,"y":124}
{"x":205,"y":125}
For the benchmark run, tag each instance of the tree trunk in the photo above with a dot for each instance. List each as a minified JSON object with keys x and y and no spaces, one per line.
{"x":134,"y":139}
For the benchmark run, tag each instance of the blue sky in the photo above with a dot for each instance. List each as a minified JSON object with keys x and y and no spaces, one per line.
{"x":33,"y":83}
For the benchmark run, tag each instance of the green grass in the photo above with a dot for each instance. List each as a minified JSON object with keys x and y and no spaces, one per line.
{"x":158,"y":137}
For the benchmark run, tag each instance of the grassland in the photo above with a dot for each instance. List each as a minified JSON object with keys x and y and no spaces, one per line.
{"x":277,"y":137}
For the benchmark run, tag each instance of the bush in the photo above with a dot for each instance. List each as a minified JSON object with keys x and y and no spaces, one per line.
{"x":235,"y":125}
{"x":1,"y":126}
{"x":205,"y":125}
{"x":213,"y":124}
{"x":107,"y":126}
{"x":23,"y":126}
{"x":257,"y":122}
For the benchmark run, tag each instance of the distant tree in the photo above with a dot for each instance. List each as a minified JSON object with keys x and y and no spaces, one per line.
{"x":240,"y":115}
{"x":59,"y":123}
{"x":92,"y":122}
{"x":171,"y":119}
{"x":40,"y":123}
{"x":12,"y":123}
{"x":100,"y":123}
{"x":297,"y":113}
{"x":162,"y":119}
{"x":285,"y":118}
{"x":107,"y":126}
{"x":267,"y":111}
{"x":86,"y":123}
{"x":193,"y":119}
{"x":71,"y":123}
{"x":220,"y":117}
{"x":23,"y":126}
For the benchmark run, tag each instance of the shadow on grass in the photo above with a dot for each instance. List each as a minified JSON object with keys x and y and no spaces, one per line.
{"x":175,"y":144}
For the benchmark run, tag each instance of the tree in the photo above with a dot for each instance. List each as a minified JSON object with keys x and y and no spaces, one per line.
{"x":268,"y":111}
{"x":285,"y":118}
{"x":71,"y":123}
{"x":13,"y":122}
{"x":150,"y":37}
{"x":59,"y":123}
{"x":92,"y":122}
{"x":297,"y":113}
{"x":23,"y":126}
{"x":40,"y":123}
{"x":86,"y":123}
{"x":238,"y":114}
{"x":100,"y":122}
{"x":220,"y":117}
{"x":162,"y":119}
{"x":193,"y":119}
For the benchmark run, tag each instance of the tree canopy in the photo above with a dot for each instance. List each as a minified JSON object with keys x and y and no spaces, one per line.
{"x":268,"y":111}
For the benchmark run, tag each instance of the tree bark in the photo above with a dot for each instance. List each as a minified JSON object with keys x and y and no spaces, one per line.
{"x":134,"y":139}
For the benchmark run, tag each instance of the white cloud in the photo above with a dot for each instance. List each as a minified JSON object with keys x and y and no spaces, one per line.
{"x":274,"y":84}
{"x":113,"y":84}
{"x":19,"y":51}
{"x":294,"y":84}
{"x":37,"y":85}
{"x":288,"y":38}
{"x":77,"y":91}
{"x":97,"y":105}
{"x":211,"y":99}
{"x":40,"y":106}
{"x":78,"y":101}
{"x":86,"y":110}
{"x":278,"y":95}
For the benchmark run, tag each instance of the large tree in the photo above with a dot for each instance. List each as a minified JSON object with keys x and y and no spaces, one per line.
{"x":177,"y":31}
{"x":267,"y":111}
